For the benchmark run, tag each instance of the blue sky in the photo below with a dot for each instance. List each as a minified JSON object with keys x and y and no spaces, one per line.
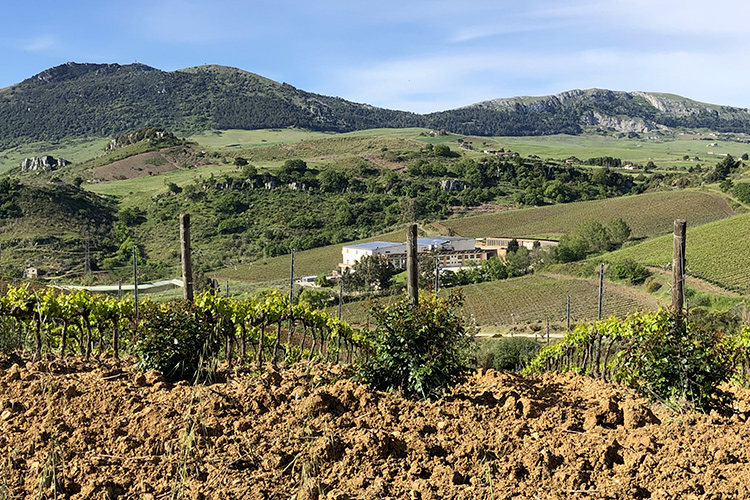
{"x":419,"y":56}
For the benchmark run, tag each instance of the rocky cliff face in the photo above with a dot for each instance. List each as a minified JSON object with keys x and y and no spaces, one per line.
{"x":45,"y":163}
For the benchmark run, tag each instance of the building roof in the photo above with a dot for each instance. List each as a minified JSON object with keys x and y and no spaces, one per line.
{"x":439,"y":240}
{"x":373,"y":245}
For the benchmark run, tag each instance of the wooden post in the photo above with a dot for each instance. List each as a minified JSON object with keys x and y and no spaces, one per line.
{"x":290,"y":328}
{"x":135,"y":283}
{"x":412,"y":271}
{"x":187,"y":265}
{"x":568,"y":312}
{"x":341,"y":296}
{"x":601,"y":289}
{"x":678,"y":266}
{"x":437,"y":275}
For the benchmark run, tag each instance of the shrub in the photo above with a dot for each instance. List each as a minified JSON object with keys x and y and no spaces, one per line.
{"x":175,"y":339}
{"x":676,"y":362}
{"x":421,"y":350}
{"x":660,"y":355}
{"x":630,"y":271}
{"x":653,"y":286}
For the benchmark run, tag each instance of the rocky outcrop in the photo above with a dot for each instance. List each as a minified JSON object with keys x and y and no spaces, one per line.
{"x":157,"y":136}
{"x":453,"y":185}
{"x":619,"y":124}
{"x":45,"y":163}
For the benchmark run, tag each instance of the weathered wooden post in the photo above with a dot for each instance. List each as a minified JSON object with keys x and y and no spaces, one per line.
{"x":412,"y":270}
{"x":187,"y":265}
{"x":601,"y":290}
{"x":341,"y":296}
{"x":135,"y":283}
{"x":290,"y":328}
{"x":678,"y":266}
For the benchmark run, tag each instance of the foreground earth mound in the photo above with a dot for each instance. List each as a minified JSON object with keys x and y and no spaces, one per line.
{"x":71,"y":430}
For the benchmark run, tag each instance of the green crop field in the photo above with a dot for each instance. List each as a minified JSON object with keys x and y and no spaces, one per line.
{"x":647,"y":215}
{"x":718,"y":253}
{"x":512,"y":305}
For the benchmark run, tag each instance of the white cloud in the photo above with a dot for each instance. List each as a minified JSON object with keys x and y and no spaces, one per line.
{"x":42,"y":43}
{"x":437,"y":83}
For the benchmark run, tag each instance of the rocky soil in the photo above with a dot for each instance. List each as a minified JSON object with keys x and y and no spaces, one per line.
{"x":71,"y":430}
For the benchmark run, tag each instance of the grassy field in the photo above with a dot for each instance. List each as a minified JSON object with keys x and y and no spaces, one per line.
{"x":716,"y":252}
{"x":73,"y":150}
{"x":233,"y":140}
{"x":518,"y":304}
{"x":648,"y":215}
{"x":142,"y":189}
{"x":663,"y":151}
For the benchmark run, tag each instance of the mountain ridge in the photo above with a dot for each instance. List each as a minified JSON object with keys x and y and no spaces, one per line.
{"x":90,"y":99}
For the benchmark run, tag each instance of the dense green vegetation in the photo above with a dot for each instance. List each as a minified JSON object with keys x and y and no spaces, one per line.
{"x":662,"y":355}
{"x":422,"y":350}
{"x":257,"y":212}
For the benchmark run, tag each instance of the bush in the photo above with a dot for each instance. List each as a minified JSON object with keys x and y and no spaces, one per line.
{"x":673,"y":361}
{"x":630,"y":271}
{"x":422,"y":350}
{"x":660,"y":355}
{"x":175,"y":339}
{"x":653,"y":286}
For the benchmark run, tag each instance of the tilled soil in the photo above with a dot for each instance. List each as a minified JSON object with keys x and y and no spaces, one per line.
{"x":70,"y":430}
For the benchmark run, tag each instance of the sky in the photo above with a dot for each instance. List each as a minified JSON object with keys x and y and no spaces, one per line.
{"x":410,"y":55}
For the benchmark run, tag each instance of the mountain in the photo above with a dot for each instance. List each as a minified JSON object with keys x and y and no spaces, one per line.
{"x":574,"y":111}
{"x":107,"y":99}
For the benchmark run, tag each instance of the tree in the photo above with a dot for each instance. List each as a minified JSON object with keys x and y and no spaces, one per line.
{"x":518,"y":262}
{"x":618,"y":231}
{"x":249,"y":171}
{"x":587,"y":238}
{"x":240,"y":161}
{"x":513,"y":246}
{"x":292,"y":169}
{"x":372,"y":272}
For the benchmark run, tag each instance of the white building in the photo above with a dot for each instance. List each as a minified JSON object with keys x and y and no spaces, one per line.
{"x":353,"y":253}
{"x":396,"y":252}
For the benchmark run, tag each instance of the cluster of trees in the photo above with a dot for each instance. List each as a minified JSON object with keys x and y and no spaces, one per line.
{"x":592,"y":237}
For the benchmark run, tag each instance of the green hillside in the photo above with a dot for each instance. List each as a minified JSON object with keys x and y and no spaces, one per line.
{"x":716,"y":252}
{"x":648,"y":215}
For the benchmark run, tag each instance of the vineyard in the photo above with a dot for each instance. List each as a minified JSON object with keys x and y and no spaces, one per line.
{"x":647,"y":215}
{"x":526,"y":302}
{"x":164,"y":335}
{"x":716,"y":252}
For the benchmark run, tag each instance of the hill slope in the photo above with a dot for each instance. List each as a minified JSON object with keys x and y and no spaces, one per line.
{"x":106,"y":99}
